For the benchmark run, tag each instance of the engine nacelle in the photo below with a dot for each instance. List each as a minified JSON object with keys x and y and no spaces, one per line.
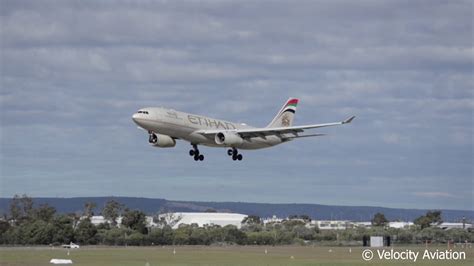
{"x":228,"y":139}
{"x":161,"y":141}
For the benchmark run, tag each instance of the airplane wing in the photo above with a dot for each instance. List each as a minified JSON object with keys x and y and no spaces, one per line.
{"x":263,"y":132}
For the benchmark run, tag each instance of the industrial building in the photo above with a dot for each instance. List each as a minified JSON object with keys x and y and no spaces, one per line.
{"x":222,"y":219}
{"x":333,"y":225}
{"x":179,"y":218}
{"x":207,"y":218}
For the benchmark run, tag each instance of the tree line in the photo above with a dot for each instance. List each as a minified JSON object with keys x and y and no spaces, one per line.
{"x":26,"y":224}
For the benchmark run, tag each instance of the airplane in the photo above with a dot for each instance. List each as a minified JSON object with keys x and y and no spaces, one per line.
{"x":165,"y":126}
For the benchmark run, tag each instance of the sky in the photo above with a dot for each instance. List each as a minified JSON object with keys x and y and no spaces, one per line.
{"x":73,"y":73}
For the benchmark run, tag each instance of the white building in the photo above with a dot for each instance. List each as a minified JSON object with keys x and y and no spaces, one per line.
{"x":205,"y":218}
{"x":447,"y":226}
{"x":273,"y":219}
{"x":376,"y":241}
{"x":364,"y":224}
{"x":332,"y":225}
{"x":99,"y":219}
{"x":178,"y":218}
{"x":400,"y":225}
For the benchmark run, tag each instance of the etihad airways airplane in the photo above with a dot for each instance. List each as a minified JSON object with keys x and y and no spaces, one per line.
{"x":165,"y":126}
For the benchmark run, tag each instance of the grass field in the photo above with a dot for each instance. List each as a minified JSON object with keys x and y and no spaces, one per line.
{"x":200,"y":255}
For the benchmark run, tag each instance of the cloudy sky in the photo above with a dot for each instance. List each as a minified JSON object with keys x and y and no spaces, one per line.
{"x":73,"y":72}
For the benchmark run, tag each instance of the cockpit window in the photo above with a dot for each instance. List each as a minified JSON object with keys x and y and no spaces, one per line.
{"x":143,"y":112}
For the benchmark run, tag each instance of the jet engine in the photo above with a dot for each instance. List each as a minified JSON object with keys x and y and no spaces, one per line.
{"x":228,"y":139}
{"x":161,"y":141}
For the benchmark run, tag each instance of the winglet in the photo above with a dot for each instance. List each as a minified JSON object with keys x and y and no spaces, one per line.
{"x":347,"y":121}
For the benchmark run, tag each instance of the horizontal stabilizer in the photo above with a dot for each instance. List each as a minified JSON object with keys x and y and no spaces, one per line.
{"x":305,"y":136}
{"x":347,"y":121}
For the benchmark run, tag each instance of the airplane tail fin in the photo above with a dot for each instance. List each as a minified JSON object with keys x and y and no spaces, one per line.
{"x":285,"y":116}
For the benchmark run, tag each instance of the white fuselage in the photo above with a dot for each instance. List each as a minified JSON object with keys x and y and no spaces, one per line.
{"x":183,"y":126}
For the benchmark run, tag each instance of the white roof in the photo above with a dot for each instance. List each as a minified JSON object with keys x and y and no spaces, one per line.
{"x":454,"y":225}
{"x":399,"y":224}
{"x":209,"y":218}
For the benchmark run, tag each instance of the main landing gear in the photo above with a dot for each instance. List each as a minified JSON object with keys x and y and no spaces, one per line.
{"x":195,"y":152}
{"x":235,"y":154}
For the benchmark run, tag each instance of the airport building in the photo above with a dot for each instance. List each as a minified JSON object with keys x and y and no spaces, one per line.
{"x":179,"y":218}
{"x":99,"y":219}
{"x":222,"y":219}
{"x":400,"y":225}
{"x":207,"y":218}
{"x":333,"y":225}
{"x":447,"y":226}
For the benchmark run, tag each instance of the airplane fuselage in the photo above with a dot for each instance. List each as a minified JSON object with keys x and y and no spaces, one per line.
{"x":183,"y":125}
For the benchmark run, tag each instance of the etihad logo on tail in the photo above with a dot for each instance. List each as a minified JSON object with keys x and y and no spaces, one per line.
{"x":290,"y":106}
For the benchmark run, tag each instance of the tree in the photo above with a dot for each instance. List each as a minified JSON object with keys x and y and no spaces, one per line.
{"x":305,"y":218}
{"x":260,"y":238}
{"x":303,"y":232}
{"x":4,"y":227}
{"x":431,"y":217}
{"x":181,"y":235}
{"x":116,"y":236}
{"x":252,"y":223}
{"x":44,"y":212}
{"x":252,"y":219}
{"x":161,"y":236}
{"x":166,"y":217}
{"x":111,"y":211}
{"x":234,"y":235}
{"x":21,"y":208}
{"x":199,"y":236}
{"x":63,"y":229}
{"x":89,"y":209}
{"x":85,"y":232}
{"x":37,"y":232}
{"x":379,"y":219}
{"x":135,"y":220}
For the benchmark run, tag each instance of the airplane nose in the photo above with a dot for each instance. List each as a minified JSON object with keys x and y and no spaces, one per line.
{"x":134,"y":117}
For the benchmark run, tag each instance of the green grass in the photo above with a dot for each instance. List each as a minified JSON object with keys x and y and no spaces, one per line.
{"x":200,"y":255}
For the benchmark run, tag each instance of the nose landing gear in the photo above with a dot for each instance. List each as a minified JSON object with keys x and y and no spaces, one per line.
{"x":152,"y":138}
{"x":235,"y":154}
{"x":195,"y":152}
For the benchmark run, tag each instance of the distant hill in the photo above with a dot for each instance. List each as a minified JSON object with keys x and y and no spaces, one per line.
{"x":316,"y":211}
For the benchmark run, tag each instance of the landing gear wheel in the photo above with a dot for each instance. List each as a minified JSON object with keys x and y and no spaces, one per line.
{"x":152,"y":138}
{"x":235,"y":154}
{"x":195,"y":153}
